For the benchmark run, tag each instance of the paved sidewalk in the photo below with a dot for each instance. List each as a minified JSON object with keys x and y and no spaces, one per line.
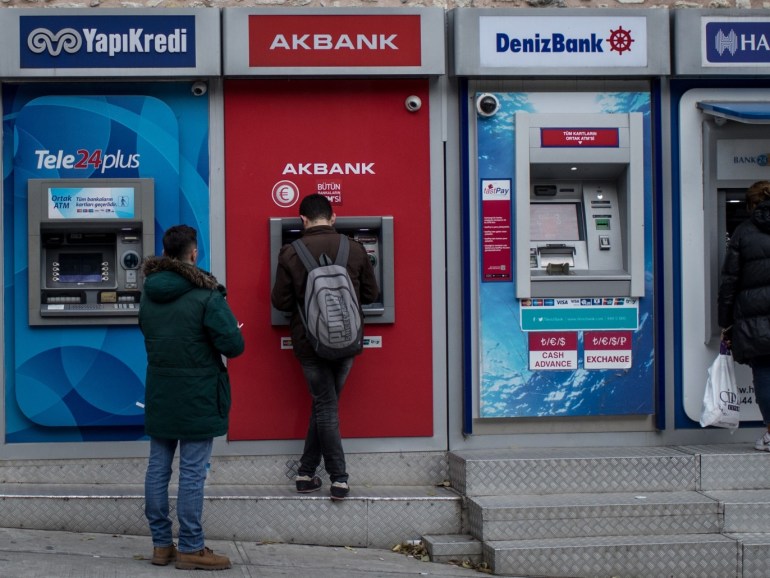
{"x":45,"y":554}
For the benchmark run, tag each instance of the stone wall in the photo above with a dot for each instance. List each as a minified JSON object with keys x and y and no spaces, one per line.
{"x":448,"y":4}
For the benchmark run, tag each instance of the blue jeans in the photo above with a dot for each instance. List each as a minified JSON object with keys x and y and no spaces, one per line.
{"x":760,"y":370}
{"x":194,"y":455}
{"x":325,"y":380}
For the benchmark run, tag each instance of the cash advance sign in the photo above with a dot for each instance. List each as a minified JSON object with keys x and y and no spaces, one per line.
{"x":536,"y":42}
{"x":139,"y":41}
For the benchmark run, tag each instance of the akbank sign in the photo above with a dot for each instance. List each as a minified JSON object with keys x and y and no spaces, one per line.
{"x":140,"y":41}
{"x":737,"y":41}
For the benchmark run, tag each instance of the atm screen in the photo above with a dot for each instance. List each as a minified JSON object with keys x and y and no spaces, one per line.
{"x":91,"y":203}
{"x":80,"y":267}
{"x":554,"y":221}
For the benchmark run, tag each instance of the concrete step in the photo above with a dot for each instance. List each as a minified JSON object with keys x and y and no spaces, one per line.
{"x":682,"y":556}
{"x":453,"y":548}
{"x":523,"y":517}
{"x":572,"y":470}
{"x":372,"y":516}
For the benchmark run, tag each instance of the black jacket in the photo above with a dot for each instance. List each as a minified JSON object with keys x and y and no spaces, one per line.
{"x":744,"y":293}
{"x":291,"y":279}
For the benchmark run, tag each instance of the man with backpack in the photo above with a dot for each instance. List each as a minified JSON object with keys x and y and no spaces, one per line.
{"x":326,"y":330}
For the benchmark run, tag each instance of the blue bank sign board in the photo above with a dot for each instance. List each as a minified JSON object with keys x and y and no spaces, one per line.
{"x":112,"y":43}
{"x":740,"y":41}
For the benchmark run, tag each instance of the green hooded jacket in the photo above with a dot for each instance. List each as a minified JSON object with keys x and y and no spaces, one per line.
{"x":187,"y":327}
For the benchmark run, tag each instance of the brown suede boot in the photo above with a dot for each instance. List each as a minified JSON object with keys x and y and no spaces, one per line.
{"x":202,"y":560}
{"x":162,"y":556}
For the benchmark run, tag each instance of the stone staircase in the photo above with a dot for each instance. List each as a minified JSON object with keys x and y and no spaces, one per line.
{"x":699,"y":511}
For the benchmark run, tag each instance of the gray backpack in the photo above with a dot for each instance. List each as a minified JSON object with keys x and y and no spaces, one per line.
{"x":331,"y":314}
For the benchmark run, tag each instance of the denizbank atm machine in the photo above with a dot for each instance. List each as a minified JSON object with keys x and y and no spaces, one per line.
{"x":720,"y":111}
{"x":558,"y":219}
{"x":579,"y":205}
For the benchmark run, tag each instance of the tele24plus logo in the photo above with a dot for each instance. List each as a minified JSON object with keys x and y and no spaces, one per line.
{"x":84,"y":159}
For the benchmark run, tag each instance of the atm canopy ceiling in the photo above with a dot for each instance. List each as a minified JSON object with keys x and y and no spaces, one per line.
{"x":745,"y":112}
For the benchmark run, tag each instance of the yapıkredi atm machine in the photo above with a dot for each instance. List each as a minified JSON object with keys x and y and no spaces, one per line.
{"x":87,"y":241}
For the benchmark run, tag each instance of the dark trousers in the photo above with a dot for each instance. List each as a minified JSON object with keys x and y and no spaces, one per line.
{"x":325,"y":380}
{"x":760,"y":369}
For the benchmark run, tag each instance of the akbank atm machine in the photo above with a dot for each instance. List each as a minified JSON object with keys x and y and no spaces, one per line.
{"x":579,"y":205}
{"x":375,"y":233}
{"x":87,"y":241}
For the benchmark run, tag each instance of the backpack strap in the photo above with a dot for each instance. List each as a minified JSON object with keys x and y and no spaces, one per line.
{"x":304,"y":255}
{"x":309,"y":261}
{"x":343,"y":251}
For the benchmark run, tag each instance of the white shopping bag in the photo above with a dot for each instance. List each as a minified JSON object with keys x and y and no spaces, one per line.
{"x":721,"y":406}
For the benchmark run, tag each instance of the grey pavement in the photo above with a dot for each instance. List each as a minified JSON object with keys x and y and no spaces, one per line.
{"x":47,"y":554}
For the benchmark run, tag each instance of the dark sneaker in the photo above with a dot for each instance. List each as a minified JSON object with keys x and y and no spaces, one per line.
{"x":339,"y":490}
{"x":162,"y":556}
{"x":306,"y":484}
{"x":202,"y":560}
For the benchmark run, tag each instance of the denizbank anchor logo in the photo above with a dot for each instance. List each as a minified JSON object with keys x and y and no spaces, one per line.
{"x":107,"y":41}
{"x":740,"y":42}
{"x":531,"y":42}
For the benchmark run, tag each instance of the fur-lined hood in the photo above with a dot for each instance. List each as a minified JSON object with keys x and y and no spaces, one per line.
{"x":167,"y":279}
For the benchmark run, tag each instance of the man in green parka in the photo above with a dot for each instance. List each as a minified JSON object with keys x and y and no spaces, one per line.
{"x":187,"y":327}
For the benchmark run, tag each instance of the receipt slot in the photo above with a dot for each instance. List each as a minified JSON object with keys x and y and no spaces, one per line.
{"x":374,"y":233}
{"x":579,"y":205}
{"x":87,"y":240}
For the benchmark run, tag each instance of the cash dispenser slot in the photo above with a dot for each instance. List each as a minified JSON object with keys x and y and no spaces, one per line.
{"x":551,"y":255}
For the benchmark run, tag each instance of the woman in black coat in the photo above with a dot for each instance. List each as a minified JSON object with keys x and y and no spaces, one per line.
{"x":744,"y":297}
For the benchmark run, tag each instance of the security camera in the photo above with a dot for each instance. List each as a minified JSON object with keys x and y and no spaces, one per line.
{"x":199,"y":88}
{"x":487,"y":104}
{"x":413,"y":103}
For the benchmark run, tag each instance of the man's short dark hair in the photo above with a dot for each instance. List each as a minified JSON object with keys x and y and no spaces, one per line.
{"x":316,"y":207}
{"x":179,"y":240}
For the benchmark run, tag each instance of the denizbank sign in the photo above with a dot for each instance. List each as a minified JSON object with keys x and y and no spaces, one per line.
{"x":139,"y":41}
{"x":537,"y":42}
{"x":740,"y":41}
